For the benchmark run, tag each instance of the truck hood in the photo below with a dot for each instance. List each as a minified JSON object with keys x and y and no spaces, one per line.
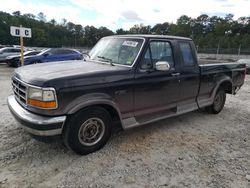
{"x":68,"y":73}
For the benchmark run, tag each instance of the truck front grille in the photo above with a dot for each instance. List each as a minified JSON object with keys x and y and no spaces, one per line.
{"x":20,"y":90}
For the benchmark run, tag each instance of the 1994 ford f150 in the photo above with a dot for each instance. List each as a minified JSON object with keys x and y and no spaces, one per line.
{"x":130,"y":79}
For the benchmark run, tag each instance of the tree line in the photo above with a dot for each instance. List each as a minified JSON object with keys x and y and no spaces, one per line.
{"x":206,"y":31}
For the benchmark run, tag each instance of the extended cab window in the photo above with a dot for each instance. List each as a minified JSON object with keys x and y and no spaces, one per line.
{"x":157,"y":51}
{"x":187,"y":54}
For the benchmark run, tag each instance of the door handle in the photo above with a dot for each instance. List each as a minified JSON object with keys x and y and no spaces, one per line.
{"x":176,"y":74}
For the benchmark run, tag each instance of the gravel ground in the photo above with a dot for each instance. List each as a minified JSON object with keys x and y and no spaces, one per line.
{"x":193,"y":150}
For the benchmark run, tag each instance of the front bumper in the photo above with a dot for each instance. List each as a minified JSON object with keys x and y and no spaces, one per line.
{"x":33,"y":123}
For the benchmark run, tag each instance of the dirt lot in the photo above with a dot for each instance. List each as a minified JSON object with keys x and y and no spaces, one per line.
{"x":193,"y":150}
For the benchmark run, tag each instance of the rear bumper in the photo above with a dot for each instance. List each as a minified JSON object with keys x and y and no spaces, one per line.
{"x":33,"y":123}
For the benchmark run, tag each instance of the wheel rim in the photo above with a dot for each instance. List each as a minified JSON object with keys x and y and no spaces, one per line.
{"x":218,"y":101}
{"x":91,"y":131}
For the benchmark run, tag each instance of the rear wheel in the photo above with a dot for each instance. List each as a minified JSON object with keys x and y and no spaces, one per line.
{"x":88,"y":130}
{"x":248,"y":71}
{"x":219,"y":102}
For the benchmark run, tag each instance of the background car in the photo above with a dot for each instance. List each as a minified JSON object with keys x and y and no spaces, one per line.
{"x":7,"y":51}
{"x":247,"y":62}
{"x":50,"y":55}
{"x":14,"y":60}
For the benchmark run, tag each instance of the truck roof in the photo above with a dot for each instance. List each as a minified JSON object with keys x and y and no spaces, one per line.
{"x":153,"y":36}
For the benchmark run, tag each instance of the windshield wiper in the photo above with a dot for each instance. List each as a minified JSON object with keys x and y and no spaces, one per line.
{"x":106,"y":60}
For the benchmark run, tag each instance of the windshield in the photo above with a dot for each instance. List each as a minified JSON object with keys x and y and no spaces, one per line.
{"x":121,"y":51}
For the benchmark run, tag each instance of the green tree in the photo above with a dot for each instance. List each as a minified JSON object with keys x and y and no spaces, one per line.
{"x":121,"y":32}
{"x":206,"y":31}
{"x":41,"y":16}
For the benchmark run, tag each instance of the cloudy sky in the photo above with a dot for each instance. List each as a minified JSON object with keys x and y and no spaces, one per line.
{"x":116,"y":14}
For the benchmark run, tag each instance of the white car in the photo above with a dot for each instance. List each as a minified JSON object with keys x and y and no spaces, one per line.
{"x":7,"y":51}
{"x":247,"y":62}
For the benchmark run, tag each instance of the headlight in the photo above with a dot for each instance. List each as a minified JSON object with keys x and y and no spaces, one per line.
{"x":42,"y":98}
{"x":34,"y":93}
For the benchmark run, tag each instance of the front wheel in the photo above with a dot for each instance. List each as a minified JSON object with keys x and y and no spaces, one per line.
{"x":219,"y":102}
{"x":15,"y":64}
{"x":87,"y":130}
{"x":9,"y":63}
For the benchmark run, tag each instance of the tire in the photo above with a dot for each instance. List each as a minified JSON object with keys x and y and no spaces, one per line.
{"x":35,"y":62}
{"x":95,"y":123}
{"x":9,"y":63}
{"x":14,"y":64}
{"x":219,"y":102}
{"x":248,"y":71}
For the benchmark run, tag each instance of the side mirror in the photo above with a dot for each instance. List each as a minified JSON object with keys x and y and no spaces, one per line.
{"x":162,"y":66}
{"x":85,"y":56}
{"x":45,"y":55}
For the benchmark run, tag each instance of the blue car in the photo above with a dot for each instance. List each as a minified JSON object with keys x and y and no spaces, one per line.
{"x":50,"y":55}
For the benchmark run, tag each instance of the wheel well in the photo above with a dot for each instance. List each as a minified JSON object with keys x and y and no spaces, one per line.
{"x":112,"y":111}
{"x":227,"y":86}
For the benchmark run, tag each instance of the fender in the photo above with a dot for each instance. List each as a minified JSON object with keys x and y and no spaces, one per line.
{"x":220,"y":79}
{"x":90,"y":100}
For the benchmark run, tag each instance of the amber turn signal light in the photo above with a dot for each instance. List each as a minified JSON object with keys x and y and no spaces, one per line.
{"x":42,"y":104}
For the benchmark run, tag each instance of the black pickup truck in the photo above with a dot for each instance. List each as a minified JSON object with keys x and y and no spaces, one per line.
{"x":125,"y":81}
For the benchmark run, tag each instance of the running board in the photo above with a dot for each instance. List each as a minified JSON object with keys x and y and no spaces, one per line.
{"x":131,"y":122}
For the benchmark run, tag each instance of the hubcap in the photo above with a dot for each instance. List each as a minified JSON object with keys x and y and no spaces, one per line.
{"x":91,"y":131}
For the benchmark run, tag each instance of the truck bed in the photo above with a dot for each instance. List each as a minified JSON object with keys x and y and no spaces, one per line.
{"x":212,"y":74}
{"x":213,"y":61}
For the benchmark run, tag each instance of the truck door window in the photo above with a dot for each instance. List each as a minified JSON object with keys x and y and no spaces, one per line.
{"x":146,"y":62}
{"x":187,"y":54}
{"x":157,"y":51}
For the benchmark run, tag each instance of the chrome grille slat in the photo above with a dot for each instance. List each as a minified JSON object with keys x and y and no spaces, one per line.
{"x":14,"y":85}
{"x":19,"y":90}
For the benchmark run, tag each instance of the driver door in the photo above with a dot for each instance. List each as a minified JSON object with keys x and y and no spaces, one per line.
{"x":156,"y":92}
